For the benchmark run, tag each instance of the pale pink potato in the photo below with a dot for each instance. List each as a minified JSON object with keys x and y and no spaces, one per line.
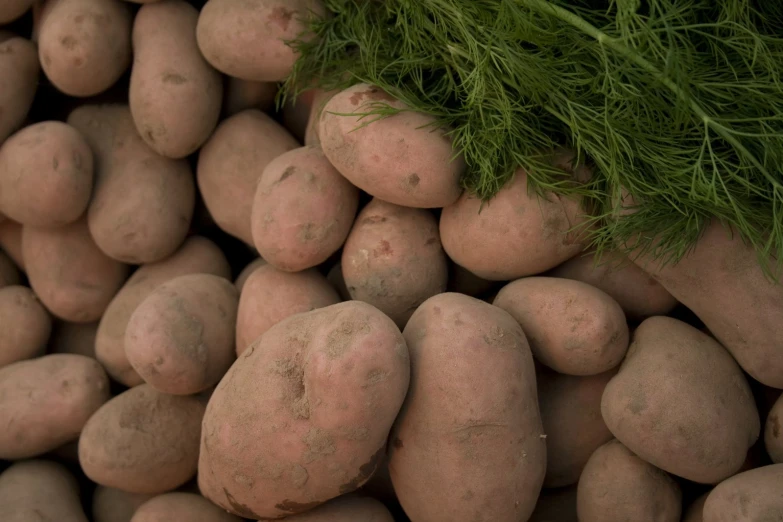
{"x":245,"y":273}
{"x":9,"y":273}
{"x":557,"y":505}
{"x":303,"y":210}
{"x":230,"y":165}
{"x":116,"y":505}
{"x":346,"y":508}
{"x":187,"y":507}
{"x":26,"y":325}
{"x":76,"y":338}
{"x":695,"y":512}
{"x":773,"y":432}
{"x":750,"y":496}
{"x":10,"y":10}
{"x":19,"y":70}
{"x":34,"y":490}
{"x":11,"y":241}
{"x":240,"y":95}
{"x":392,"y":159}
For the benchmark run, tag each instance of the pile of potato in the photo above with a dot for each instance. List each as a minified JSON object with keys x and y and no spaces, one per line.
{"x":211,"y":310}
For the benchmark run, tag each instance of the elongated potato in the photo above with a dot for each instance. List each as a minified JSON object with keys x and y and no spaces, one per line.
{"x":26,"y":325}
{"x":752,"y":496}
{"x":9,"y":273}
{"x":11,"y":241}
{"x":115,"y":505}
{"x":773,"y":432}
{"x":10,"y":10}
{"x":42,"y":490}
{"x":347,"y":508}
{"x":188,"y":507}
{"x":175,"y":95}
{"x":19,"y":70}
{"x":197,"y":255}
{"x":468,"y":444}
{"x":84,"y":46}
{"x":230,"y":165}
{"x":240,"y":95}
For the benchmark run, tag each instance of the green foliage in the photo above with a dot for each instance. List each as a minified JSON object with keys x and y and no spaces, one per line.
{"x":680,"y":102}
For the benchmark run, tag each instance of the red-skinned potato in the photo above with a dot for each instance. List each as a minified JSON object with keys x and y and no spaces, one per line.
{"x":11,"y":241}
{"x":240,"y":95}
{"x":347,"y":508}
{"x":9,"y":273}
{"x":26,"y":325}
{"x":773,"y":432}
{"x":10,"y":10}
{"x":39,"y":490}
{"x":19,"y":70}
{"x":751,"y":496}
{"x":115,"y":505}
{"x":189,"y":507}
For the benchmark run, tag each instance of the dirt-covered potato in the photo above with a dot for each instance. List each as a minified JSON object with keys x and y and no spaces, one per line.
{"x":240,"y":95}
{"x":175,"y":95}
{"x":230,"y":165}
{"x":468,"y":444}
{"x":315,"y":425}
{"x":346,"y":508}
{"x":142,"y":203}
{"x":773,"y":431}
{"x":558,"y":505}
{"x":751,"y":496}
{"x":45,"y":402}
{"x":303,"y":210}
{"x":179,"y":506}
{"x":270,"y":295}
{"x":9,"y":273}
{"x":197,"y":255}
{"x":142,"y":441}
{"x":680,"y":402}
{"x":396,"y":159}
{"x":115,"y":505}
{"x":573,"y":328}
{"x":39,"y":490}
{"x":46,"y":175}
{"x":393,"y":259}
{"x":619,"y":486}
{"x":19,"y":70}
{"x":10,"y":10}
{"x":26,"y":325}
{"x":244,"y":275}
{"x":72,"y":277}
{"x":11,"y":241}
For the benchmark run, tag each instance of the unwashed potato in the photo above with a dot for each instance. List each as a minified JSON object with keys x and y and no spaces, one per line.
{"x":393,"y":259}
{"x":46,"y":175}
{"x":19,"y":70}
{"x":680,"y":402}
{"x":26,"y":325}
{"x":10,"y":10}
{"x":347,"y":508}
{"x":245,"y":273}
{"x":72,"y":277}
{"x":39,"y":490}
{"x":248,"y":40}
{"x":183,"y":507}
{"x":315,"y":425}
{"x":695,"y":512}
{"x":468,"y":444}
{"x":303,"y":210}
{"x":45,"y":402}
{"x":393,"y":158}
{"x":197,"y":255}
{"x":617,"y":485}
{"x":270,"y":295}
{"x":9,"y":273}
{"x":230,"y":165}
{"x":573,"y":328}
{"x":143,"y":203}
{"x":752,"y":496}
{"x":240,"y":95}
{"x":773,"y":431}
{"x":175,"y":95}
{"x":142,"y":441}
{"x":77,"y":338}
{"x":557,"y":505}
{"x":84,"y":46}
{"x":180,"y":339}
{"x":115,"y":505}
{"x":11,"y":241}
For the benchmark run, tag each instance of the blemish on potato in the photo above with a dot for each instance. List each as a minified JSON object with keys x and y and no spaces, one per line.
{"x":289,"y":506}
{"x":775,"y":422}
{"x":69,"y":42}
{"x":384,"y":249}
{"x":413,"y":180}
{"x":372,"y":220}
{"x":240,"y":509}
{"x":287,"y":173}
{"x":282,"y":17}
{"x":365,"y":472}
{"x":397,"y":443}
{"x":174,"y":78}
{"x":638,"y":402}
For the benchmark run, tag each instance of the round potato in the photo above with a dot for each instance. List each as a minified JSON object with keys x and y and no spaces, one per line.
{"x":19,"y":70}
{"x":240,"y":95}
{"x":751,"y":496}
{"x":773,"y":431}
{"x":46,"y":175}
{"x":77,"y":338}
{"x":468,"y":444}
{"x":26,"y":325}
{"x":10,"y":10}
{"x":115,"y":505}
{"x":45,"y":402}
{"x":42,"y":490}
{"x":245,"y":273}
{"x":142,"y":441}
{"x":188,"y":507}
{"x":11,"y":241}
{"x":572,"y":327}
{"x":347,"y":508}
{"x":9,"y":273}
{"x":315,"y":425}
{"x":393,"y":259}
{"x":671,"y":399}
{"x":303,"y":210}
{"x":393,"y":158}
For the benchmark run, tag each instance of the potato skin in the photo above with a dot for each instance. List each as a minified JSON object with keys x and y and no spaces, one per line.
{"x":773,"y":434}
{"x":670,"y":400}
{"x":39,"y":490}
{"x":46,"y":175}
{"x":197,"y":255}
{"x":142,"y":441}
{"x":115,"y":505}
{"x":346,"y":508}
{"x":175,"y":95}
{"x":19,"y":70}
{"x":393,"y":259}
{"x":45,"y":402}
{"x":468,"y":444}
{"x":303,"y":210}
{"x":751,"y":496}
{"x":188,"y":507}
{"x":391,"y":158}
{"x":26,"y":325}
{"x":231,"y":163}
{"x":619,"y":486}
{"x":9,"y":273}
{"x":334,"y":380}
{"x":572,"y":327}
{"x":13,"y":9}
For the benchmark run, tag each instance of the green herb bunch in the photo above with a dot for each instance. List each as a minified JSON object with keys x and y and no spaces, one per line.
{"x":679,"y":102}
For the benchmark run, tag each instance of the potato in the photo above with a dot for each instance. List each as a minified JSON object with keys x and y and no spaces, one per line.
{"x":751,"y":496}
{"x":46,"y":175}
{"x":243,"y":276}
{"x":230,"y":165}
{"x":393,"y":259}
{"x":26,"y":325}
{"x":77,"y":338}
{"x":84,"y":46}
{"x":39,"y":490}
{"x":773,"y":434}
{"x":303,"y":210}
{"x":695,"y":512}
{"x":115,"y":505}
{"x":393,"y":158}
{"x":572,"y":327}
{"x":557,"y":505}
{"x":257,"y":51}
{"x":45,"y":402}
{"x":72,"y":277}
{"x":10,"y":10}
{"x":11,"y":241}
{"x":619,"y":486}
{"x":142,"y":441}
{"x":19,"y":70}
{"x":188,"y":507}
{"x":9,"y":273}
{"x":197,"y":255}
{"x":468,"y":444}
{"x":571,"y":415}
{"x":270,"y":295}
{"x":143,"y":203}
{"x":175,"y":95}
{"x":347,"y":508}
{"x":671,"y":399}
{"x":316,"y":424}
{"x":240,"y":95}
